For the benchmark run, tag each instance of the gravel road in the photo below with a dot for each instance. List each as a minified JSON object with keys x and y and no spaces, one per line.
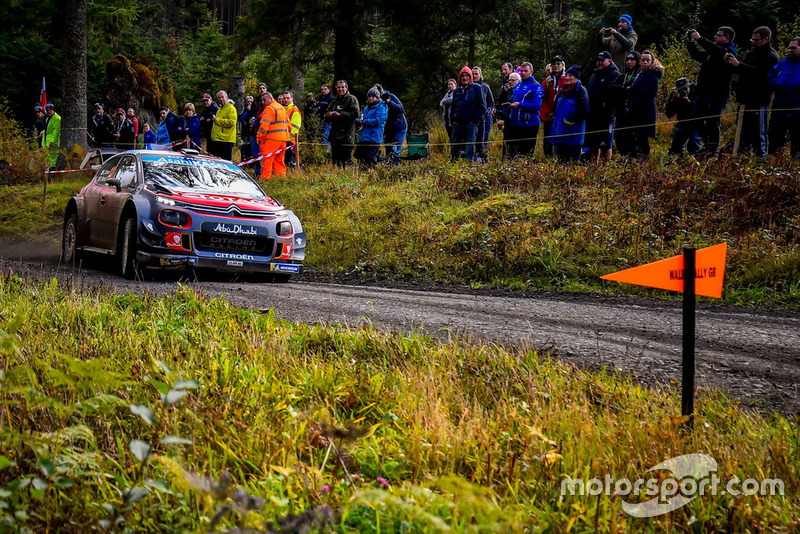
{"x":752,"y":353}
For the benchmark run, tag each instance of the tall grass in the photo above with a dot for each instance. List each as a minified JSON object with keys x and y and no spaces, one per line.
{"x":182,"y":413}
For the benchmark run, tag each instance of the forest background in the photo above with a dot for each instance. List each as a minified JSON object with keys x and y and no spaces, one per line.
{"x":146,"y":53}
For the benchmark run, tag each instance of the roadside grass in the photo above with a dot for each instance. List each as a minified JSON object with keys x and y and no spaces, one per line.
{"x":181,"y":413}
{"x":526,"y":225}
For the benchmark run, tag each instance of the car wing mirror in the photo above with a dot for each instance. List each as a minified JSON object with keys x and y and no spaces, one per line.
{"x":115,"y":183}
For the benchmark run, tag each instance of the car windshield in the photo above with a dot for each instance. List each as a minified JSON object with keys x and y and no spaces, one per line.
{"x":182,"y":174}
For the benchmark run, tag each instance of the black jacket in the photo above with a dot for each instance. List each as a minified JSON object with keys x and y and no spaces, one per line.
{"x":601,"y":95}
{"x":752,"y":88}
{"x":715,"y":75}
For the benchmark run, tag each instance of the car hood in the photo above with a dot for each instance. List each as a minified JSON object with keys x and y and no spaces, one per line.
{"x":223,"y":201}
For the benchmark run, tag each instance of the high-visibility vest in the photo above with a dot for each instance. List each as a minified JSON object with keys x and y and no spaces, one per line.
{"x":274,"y":124}
{"x":295,"y":118}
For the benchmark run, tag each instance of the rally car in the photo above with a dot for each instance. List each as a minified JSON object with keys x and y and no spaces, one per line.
{"x":171,"y":210}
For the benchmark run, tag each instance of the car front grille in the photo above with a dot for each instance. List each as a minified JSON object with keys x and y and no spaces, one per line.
{"x":231,"y":211}
{"x":213,"y":242}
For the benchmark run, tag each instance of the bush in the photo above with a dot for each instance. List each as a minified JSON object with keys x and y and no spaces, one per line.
{"x":22,"y":160}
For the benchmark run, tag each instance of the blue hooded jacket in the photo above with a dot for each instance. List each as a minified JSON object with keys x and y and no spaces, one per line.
{"x":373,"y":120}
{"x":529,"y":93}
{"x":569,"y":120}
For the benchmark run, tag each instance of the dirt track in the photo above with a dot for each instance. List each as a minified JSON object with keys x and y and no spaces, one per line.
{"x":754,"y":354}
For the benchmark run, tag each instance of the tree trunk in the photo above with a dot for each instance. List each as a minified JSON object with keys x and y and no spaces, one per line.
{"x":74,"y":117}
{"x":344,"y":49}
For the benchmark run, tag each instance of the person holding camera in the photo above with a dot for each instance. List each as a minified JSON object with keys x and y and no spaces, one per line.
{"x":681,"y":105}
{"x":753,"y":92}
{"x":713,"y":82}
{"x":524,"y":113}
{"x":620,"y":40}
{"x":394,"y":134}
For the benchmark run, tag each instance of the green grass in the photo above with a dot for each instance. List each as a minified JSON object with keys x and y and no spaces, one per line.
{"x":369,"y":431}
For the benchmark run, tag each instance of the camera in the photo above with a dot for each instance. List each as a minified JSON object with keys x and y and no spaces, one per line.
{"x":607,"y":30}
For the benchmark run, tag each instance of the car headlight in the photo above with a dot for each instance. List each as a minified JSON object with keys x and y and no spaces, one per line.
{"x":174,"y":218}
{"x":284,"y":228}
{"x":166,"y":201}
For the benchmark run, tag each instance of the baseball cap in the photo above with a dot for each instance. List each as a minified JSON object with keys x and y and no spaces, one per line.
{"x":603,"y":55}
{"x":206,"y":96}
{"x":120,"y":111}
{"x":37,"y":107}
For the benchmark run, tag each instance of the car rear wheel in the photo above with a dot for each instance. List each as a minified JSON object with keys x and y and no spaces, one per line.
{"x":129,"y":267}
{"x":69,"y":240}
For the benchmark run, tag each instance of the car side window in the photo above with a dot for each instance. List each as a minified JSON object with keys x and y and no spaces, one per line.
{"x":126,"y":173}
{"x":106,"y":171}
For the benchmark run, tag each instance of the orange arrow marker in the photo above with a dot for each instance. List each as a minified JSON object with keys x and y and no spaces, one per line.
{"x":668,"y":274}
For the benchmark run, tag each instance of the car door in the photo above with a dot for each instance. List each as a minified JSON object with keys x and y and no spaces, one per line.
{"x":97,"y":189}
{"x":111,"y":201}
{"x":104,"y":203}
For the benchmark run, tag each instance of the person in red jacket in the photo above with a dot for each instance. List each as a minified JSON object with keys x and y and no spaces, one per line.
{"x":552,"y":85}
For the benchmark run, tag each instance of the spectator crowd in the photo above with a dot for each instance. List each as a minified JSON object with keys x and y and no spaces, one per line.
{"x":582,"y":115}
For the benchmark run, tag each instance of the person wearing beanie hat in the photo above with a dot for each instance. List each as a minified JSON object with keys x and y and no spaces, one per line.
{"x":620,"y":40}
{"x":569,"y":119}
{"x":466,"y":111}
{"x":372,"y":122}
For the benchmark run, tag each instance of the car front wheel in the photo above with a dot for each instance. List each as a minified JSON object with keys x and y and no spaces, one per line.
{"x":69,"y":240}
{"x":129,"y":267}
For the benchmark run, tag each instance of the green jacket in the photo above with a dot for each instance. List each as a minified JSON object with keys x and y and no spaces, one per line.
{"x":51,"y":140}
{"x":224,"y":127}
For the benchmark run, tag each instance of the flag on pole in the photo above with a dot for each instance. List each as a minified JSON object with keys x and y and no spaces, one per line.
{"x":43,"y":96}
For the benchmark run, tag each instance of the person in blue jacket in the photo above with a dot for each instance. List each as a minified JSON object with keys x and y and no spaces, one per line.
{"x":167,"y":132}
{"x":150,"y":138}
{"x":189,"y":128}
{"x":372,"y":123}
{"x":640,"y":106}
{"x":569,"y":119}
{"x":784,"y":79}
{"x":524,"y":113}
{"x":466,"y":111}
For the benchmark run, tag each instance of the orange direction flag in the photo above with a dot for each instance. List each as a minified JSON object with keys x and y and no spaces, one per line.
{"x":668,"y":274}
